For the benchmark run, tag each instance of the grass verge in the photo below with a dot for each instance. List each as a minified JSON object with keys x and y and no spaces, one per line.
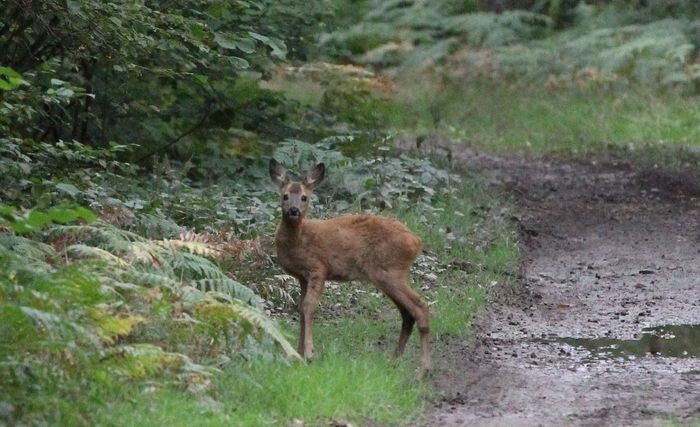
{"x":536,"y":119}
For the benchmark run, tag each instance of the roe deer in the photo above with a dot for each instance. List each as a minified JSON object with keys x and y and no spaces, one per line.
{"x":369,"y":248}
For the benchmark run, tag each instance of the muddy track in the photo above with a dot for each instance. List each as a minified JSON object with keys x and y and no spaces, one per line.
{"x":609,"y":250}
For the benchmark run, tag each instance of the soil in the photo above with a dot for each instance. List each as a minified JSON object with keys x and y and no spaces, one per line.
{"x":609,"y":248}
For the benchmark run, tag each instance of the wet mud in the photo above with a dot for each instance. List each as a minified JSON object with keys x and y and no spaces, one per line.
{"x":601,"y":329}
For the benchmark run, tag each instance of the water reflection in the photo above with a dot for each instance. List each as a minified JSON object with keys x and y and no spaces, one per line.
{"x":667,"y":341}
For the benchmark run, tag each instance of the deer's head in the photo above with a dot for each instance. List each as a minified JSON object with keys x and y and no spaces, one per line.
{"x":295,"y":194}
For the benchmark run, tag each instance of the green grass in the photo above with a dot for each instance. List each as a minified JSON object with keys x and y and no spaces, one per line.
{"x":678,"y":423}
{"x":541,"y":120}
{"x":337,"y":386}
{"x":509,"y":117}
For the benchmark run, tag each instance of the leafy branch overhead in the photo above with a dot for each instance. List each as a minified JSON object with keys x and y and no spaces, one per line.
{"x":97,"y":71}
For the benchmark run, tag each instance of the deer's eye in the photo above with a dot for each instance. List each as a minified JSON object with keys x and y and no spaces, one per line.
{"x":303,"y":198}
{"x":285,"y":197}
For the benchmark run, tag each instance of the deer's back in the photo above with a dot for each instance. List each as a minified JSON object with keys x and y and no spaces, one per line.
{"x":351,"y":247}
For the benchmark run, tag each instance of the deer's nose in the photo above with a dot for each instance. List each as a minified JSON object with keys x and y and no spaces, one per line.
{"x":294,"y":211}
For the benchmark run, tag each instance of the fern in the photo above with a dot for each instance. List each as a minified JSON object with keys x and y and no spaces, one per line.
{"x":174,"y":264}
{"x":140,"y":360}
{"x":149,"y":279}
{"x":229,"y":287}
{"x":50,"y":330}
{"x":91,"y":251}
{"x":197,"y":248}
{"x":197,"y":266}
{"x":260,"y":320}
{"x":105,"y":296}
{"x":26,"y":247}
{"x":100,"y":229}
{"x":607,"y":45}
{"x":148,"y":253}
{"x":235,"y":309}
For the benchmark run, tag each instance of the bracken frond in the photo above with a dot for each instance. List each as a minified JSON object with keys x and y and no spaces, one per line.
{"x":107,"y":236}
{"x":263,"y":322}
{"x":26,"y":248}
{"x":56,"y":326}
{"x":229,"y":287}
{"x":139,"y":360}
{"x":94,"y":252}
{"x":148,"y":253}
{"x":199,"y":266}
{"x":152,"y":279}
{"x":197,"y":248}
{"x":243,"y":312}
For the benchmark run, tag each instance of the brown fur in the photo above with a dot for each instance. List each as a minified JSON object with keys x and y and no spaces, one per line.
{"x":368,"y":248}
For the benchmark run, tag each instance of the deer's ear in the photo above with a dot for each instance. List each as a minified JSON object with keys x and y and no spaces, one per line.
{"x":278,"y":173}
{"x":315,"y":175}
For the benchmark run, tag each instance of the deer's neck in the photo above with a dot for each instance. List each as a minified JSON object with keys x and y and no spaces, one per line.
{"x":289,"y":232}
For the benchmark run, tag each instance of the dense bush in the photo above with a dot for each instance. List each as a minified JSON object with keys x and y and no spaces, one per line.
{"x":148,"y":73}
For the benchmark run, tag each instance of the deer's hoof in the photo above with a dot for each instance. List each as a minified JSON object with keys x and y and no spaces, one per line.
{"x":423,"y":373}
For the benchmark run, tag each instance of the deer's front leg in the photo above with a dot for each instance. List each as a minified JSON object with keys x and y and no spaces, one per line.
{"x":309,"y":303}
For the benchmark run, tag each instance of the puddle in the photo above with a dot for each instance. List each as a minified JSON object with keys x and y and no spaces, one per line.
{"x":666,"y":341}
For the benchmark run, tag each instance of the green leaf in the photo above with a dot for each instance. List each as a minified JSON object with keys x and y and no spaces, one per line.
{"x":69,"y":189}
{"x":246,"y":45}
{"x":201,"y":78}
{"x":24,"y":167}
{"x":10,"y":79}
{"x":135,"y":204}
{"x":238,"y":62}
{"x":260,"y":37}
{"x":85,"y":214}
{"x":279,"y":49}
{"x":65,"y":92}
{"x":225,"y":40}
{"x":21,"y":227}
{"x":7,"y":212}
{"x":67,"y":214}
{"x":73,"y":6}
{"x":37,"y":220}
{"x":63,"y":215}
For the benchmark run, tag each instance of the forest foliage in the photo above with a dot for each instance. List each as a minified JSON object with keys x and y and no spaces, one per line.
{"x":555,"y":42}
{"x":135,"y":212}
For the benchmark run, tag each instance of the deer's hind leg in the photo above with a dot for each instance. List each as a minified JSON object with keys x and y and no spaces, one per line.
{"x":395,"y":286}
{"x":407,"y":322}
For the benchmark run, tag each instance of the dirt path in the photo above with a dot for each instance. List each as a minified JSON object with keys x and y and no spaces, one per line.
{"x":609,"y":249}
